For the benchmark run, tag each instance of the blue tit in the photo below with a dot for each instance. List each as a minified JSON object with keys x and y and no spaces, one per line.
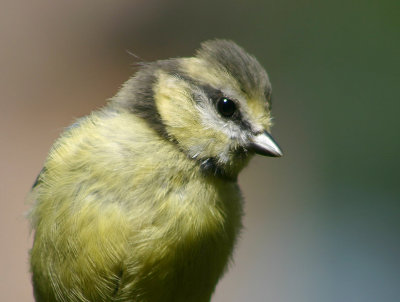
{"x":139,"y":200}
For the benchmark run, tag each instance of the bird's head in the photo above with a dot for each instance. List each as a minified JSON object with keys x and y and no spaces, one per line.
{"x":215,"y":106}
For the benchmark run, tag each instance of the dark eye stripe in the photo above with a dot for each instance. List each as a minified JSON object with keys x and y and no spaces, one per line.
{"x":215,"y":95}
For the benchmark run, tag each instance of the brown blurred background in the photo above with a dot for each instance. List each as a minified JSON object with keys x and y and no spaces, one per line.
{"x":322,"y":223}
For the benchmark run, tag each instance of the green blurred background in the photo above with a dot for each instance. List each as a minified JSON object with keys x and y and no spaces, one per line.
{"x":323,"y":222}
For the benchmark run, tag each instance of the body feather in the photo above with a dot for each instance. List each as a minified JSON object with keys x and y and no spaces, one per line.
{"x":128,"y":225}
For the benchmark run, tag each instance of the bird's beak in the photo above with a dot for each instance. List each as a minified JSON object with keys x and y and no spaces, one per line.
{"x":264,"y":144}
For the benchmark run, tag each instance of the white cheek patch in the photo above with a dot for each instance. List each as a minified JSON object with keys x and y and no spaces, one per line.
{"x":211,"y":119}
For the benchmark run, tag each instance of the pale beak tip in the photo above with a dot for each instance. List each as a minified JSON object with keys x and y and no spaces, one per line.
{"x":264,"y":144}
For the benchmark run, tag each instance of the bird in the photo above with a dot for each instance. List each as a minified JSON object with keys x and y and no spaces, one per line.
{"x":139,"y":200}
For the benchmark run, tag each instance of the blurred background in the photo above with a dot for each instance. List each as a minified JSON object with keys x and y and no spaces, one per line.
{"x":323,"y":222}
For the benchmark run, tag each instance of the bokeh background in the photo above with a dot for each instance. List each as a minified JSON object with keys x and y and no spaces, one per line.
{"x":323,"y":222}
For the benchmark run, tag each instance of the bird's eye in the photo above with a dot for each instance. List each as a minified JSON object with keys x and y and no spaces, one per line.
{"x":226,"y":107}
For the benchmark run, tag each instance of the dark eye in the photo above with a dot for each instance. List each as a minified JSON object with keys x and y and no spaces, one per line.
{"x":226,"y":107}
